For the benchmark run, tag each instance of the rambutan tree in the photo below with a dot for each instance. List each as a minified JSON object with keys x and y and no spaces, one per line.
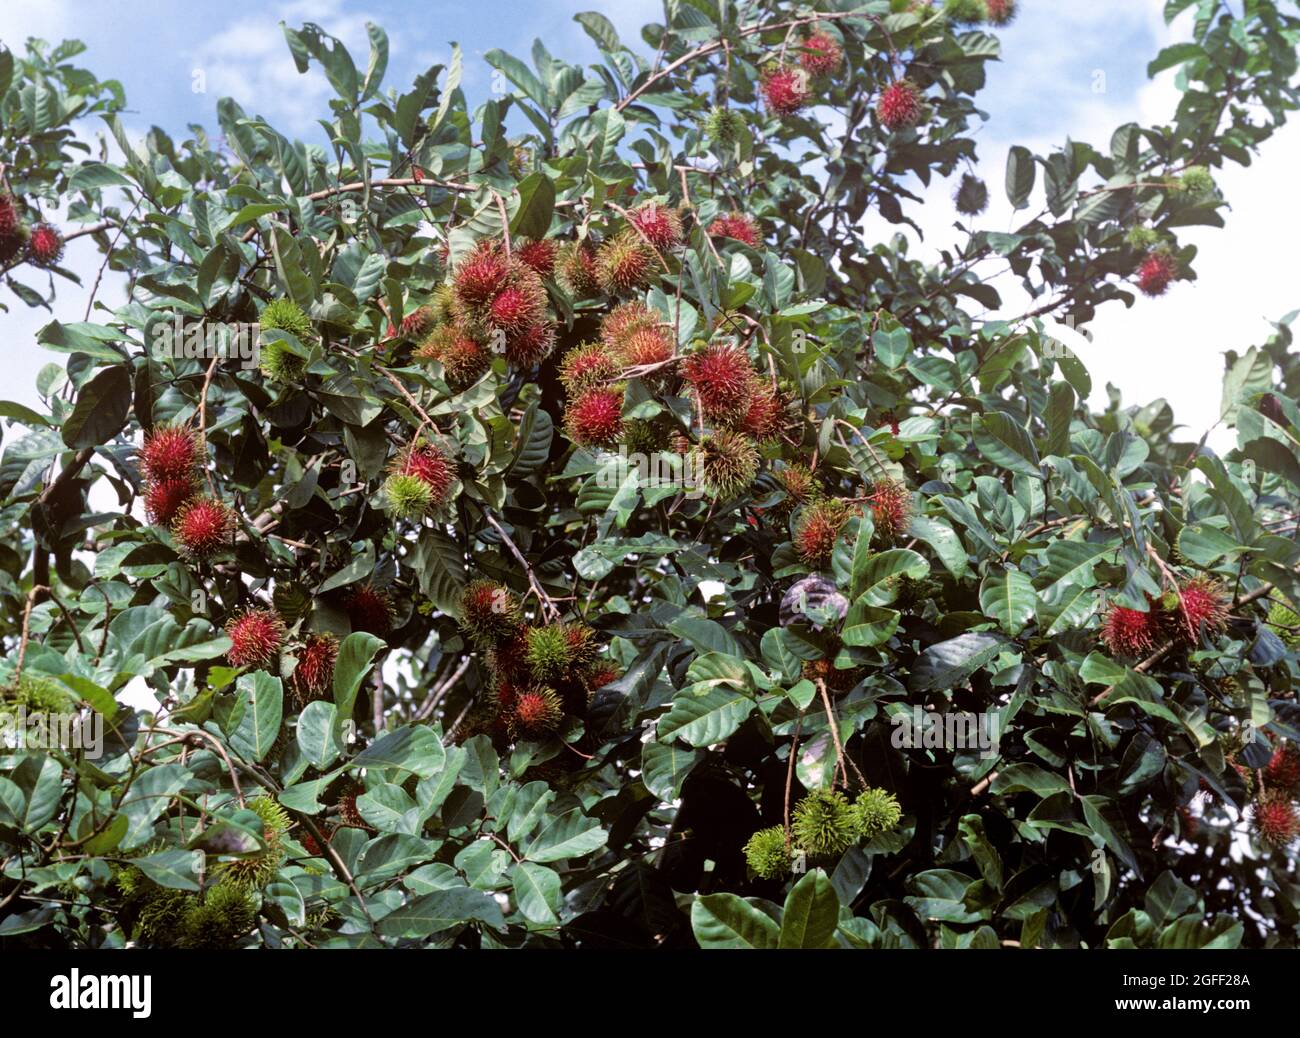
{"x":540,"y":521}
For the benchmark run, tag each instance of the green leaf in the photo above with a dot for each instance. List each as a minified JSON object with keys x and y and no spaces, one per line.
{"x":1005,"y":442}
{"x":705,"y":718}
{"x":441,"y":910}
{"x":101,"y":409}
{"x":260,"y":723}
{"x":537,"y":893}
{"x":727,"y":921}
{"x":176,"y":869}
{"x":1008,"y":597}
{"x":1021,"y":172}
{"x":571,"y":835}
{"x":536,"y":204}
{"x":352,"y":666}
{"x":317,"y":734}
{"x":811,"y":913}
{"x":664,"y":767}
{"x":946,"y":664}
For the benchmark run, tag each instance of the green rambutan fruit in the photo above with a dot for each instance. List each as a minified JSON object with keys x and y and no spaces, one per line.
{"x":966,"y":12}
{"x":1196,"y":182}
{"x":1285,"y":623}
{"x":723,"y":126}
{"x":766,"y":853}
{"x":255,"y":870}
{"x":875,"y":811}
{"x":1141,"y":237}
{"x":161,"y":916}
{"x":824,"y":823}
{"x":549,"y":652}
{"x":36,"y":694}
{"x":408,"y":497}
{"x":800,"y":484}
{"x":225,"y":914}
{"x":280,"y":363}
{"x":624,"y":264}
{"x":286,"y":316}
{"x":727,"y":463}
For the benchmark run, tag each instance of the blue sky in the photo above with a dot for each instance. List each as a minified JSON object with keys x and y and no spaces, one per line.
{"x":1069,"y":69}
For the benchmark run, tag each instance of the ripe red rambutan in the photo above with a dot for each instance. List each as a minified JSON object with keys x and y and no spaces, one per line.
{"x":818,"y":526}
{"x":1129,"y":632}
{"x":428,"y":463}
{"x":800,"y":486}
{"x":255,"y":636}
{"x":518,"y":306}
{"x":369,"y":609}
{"x":660,"y":225}
{"x":171,"y":452}
{"x":8,"y":216}
{"x":489,"y":611}
{"x":1001,"y":12}
{"x":1283,"y":769}
{"x":575,"y":267}
{"x":309,"y":844}
{"x":480,"y":275}
{"x":596,"y":417}
{"x":538,"y":255}
{"x":537,"y":712}
{"x":1201,"y":604}
{"x":509,"y":657}
{"x":417,"y":322}
{"x":785,"y":90}
{"x":45,"y":245}
{"x":624,"y":320}
{"x":1156,"y":273}
{"x":765,"y":417}
{"x":1275,"y":820}
{"x":163,"y":499}
{"x":648,"y":345}
{"x":602,"y":674}
{"x":624,"y":264}
{"x":724,"y":380}
{"x":738,"y":227}
{"x":590,"y":364}
{"x":202,"y":526}
{"x":899,"y":106}
{"x":891,"y":508}
{"x":531,"y":345}
{"x":821,"y":53}
{"x":314,"y":674}
{"x":464,"y":359}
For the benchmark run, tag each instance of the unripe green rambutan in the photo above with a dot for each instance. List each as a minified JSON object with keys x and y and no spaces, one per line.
{"x":644,"y":437}
{"x":1196,"y":182}
{"x":766,"y":853}
{"x":800,"y":485}
{"x":489,"y":612}
{"x":723,"y":126}
{"x":972,"y":196}
{"x":824,"y":823}
{"x":624,"y":264}
{"x":225,"y":914}
{"x":255,"y":870}
{"x":1141,"y":237}
{"x":286,"y":316}
{"x":281,"y":364}
{"x":1285,"y":623}
{"x":875,"y":811}
{"x":548,"y":653}
{"x":968,"y":12}
{"x":728,"y":462}
{"x":36,"y":694}
{"x":408,"y":497}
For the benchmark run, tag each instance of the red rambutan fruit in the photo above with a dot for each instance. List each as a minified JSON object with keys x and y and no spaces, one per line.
{"x":818,"y":526}
{"x":738,"y":227}
{"x":417,"y":322}
{"x":369,"y":609}
{"x":722,"y":376}
{"x":464,"y":359}
{"x":821,"y":54}
{"x":1156,"y":273}
{"x":596,"y":417}
{"x":1001,"y":12}
{"x":428,"y":463}
{"x":164,"y":498}
{"x":899,"y":106}
{"x":314,"y":674}
{"x":202,"y":526}
{"x":1202,"y":604}
{"x":45,"y":245}
{"x":1275,"y":820}
{"x":590,"y":364}
{"x":518,"y":306}
{"x":509,"y":657}
{"x":624,"y":320}
{"x":171,"y":452}
{"x":1283,"y":769}
{"x":480,"y":275}
{"x":255,"y":638}
{"x":785,"y":90}
{"x":531,"y":345}
{"x":575,"y":268}
{"x":650,"y":345}
{"x":660,"y":225}
{"x":8,"y":216}
{"x":765,"y":416}
{"x":602,"y":674}
{"x":490,"y":612}
{"x":624,"y":264}
{"x":1129,"y":632}
{"x":537,"y":712}
{"x":891,"y":508}
{"x":539,"y":255}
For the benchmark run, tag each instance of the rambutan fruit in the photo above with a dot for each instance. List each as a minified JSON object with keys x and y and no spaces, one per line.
{"x":538,"y":255}
{"x":171,"y":452}
{"x":442,"y":302}
{"x":1285,"y":623}
{"x":313,"y":677}
{"x":765,"y":417}
{"x":899,"y":106}
{"x":418,"y":322}
{"x":519,"y":305}
{"x":575,"y":269}
{"x":766,"y":853}
{"x":800,"y":485}
{"x":45,"y":245}
{"x":537,"y":712}
{"x":1283,"y":769}
{"x":624,"y":264}
{"x":891,"y":508}
{"x":254,"y":871}
{"x":464,"y":359}
{"x":824,"y":823}
{"x":583,"y":645}
{"x":738,"y":227}
{"x":530,"y":346}
{"x":203,"y":526}
{"x":1156,"y":273}
{"x":972,"y":196}
{"x":625,"y":320}
{"x":821,"y":54}
{"x":785,"y":90}
{"x":428,"y":463}
{"x":645,"y":347}
{"x":1130,"y":632}
{"x":256,"y":635}
{"x":727,"y":463}
{"x":590,"y":364}
{"x":548,"y":651}
{"x":508,"y":659}
{"x":600,"y":675}
{"x":722,"y":376}
{"x":1202,"y":605}
{"x":9,"y":218}
{"x":644,"y":437}
{"x":164,"y":498}
{"x":818,"y":526}
{"x":1275,"y":820}
{"x":1001,"y":12}
{"x":489,"y":612}
{"x":369,"y":609}
{"x":1141,"y":238}
{"x":875,"y":811}
{"x":1196,"y":182}
{"x":408,"y":497}
{"x":967,"y":12}
{"x":287,"y":316}
{"x":659,"y":224}
{"x":281,"y":363}
{"x":480,"y":275}
{"x":723,"y":126}
{"x":595,"y":418}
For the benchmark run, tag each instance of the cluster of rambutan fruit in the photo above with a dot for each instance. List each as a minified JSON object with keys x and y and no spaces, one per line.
{"x":821,"y":517}
{"x":1198,"y":605}
{"x":823,"y":825}
{"x":39,"y":243}
{"x":1274,"y":790}
{"x":171,"y":464}
{"x":540,"y":672}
